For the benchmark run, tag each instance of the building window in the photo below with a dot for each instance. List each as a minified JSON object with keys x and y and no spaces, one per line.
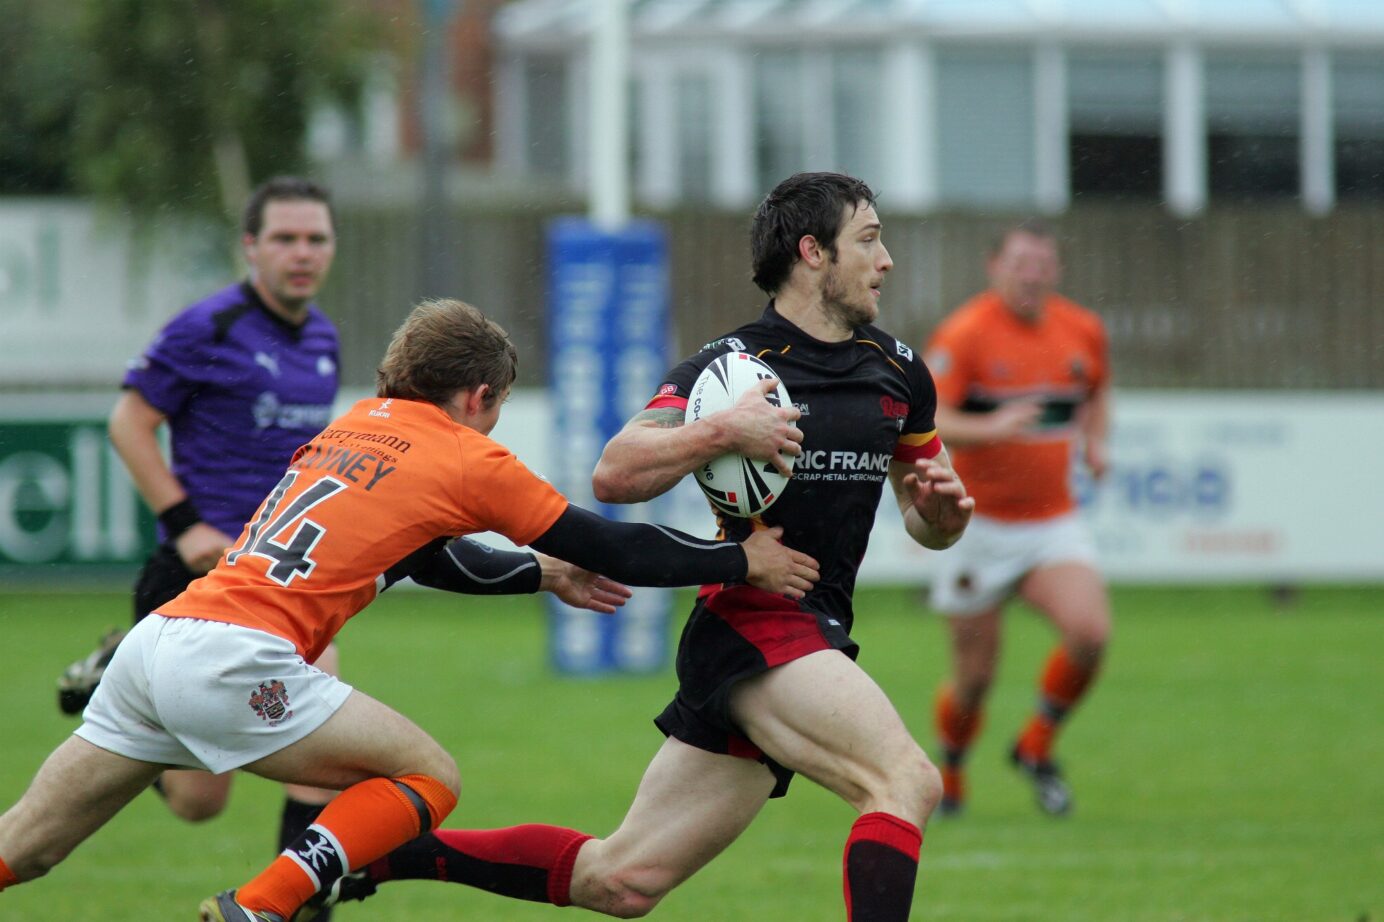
{"x":780,"y":116}
{"x":546,"y":129}
{"x":857,"y":115}
{"x":1115,"y":114}
{"x":1358,"y":97}
{"x":693,"y":92}
{"x":1253,"y":105}
{"x":985,"y":126}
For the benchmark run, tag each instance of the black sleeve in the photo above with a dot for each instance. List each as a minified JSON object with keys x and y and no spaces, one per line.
{"x":638,"y":554}
{"x":463,"y":565}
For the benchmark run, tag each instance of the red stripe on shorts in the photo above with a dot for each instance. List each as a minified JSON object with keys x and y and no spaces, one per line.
{"x":775,"y":625}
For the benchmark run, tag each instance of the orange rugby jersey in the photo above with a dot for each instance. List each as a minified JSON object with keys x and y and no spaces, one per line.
{"x":377,"y":484}
{"x":983,"y":355}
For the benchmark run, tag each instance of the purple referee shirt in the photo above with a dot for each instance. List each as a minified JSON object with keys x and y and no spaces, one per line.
{"x":242,"y":389}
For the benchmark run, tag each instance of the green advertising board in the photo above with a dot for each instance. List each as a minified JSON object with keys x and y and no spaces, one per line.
{"x":68,"y":510}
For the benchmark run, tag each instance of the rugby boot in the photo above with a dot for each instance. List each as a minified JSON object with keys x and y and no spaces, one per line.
{"x":1049,"y":790}
{"x":224,"y":908}
{"x":79,"y":680}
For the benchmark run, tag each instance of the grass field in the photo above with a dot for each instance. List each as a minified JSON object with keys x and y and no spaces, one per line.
{"x":1229,"y":767}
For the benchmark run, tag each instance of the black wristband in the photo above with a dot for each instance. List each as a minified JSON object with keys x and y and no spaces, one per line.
{"x":178,"y":518}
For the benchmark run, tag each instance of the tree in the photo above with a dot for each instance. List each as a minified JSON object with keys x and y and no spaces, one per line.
{"x":172,"y":105}
{"x":39,"y":79}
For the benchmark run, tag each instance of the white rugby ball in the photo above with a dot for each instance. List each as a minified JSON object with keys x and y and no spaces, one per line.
{"x":735,"y":484}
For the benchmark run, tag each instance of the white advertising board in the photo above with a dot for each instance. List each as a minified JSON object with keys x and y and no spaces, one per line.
{"x":1206,"y":486}
{"x":82,"y":293}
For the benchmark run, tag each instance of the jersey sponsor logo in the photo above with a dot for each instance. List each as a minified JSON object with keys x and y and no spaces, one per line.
{"x":842,"y":461}
{"x":270,"y":702}
{"x":268,"y":362}
{"x":803,"y":408}
{"x":734,"y":343}
{"x":667,"y":390}
{"x":904,"y":351}
{"x":268,"y":411}
{"x":383,"y":409}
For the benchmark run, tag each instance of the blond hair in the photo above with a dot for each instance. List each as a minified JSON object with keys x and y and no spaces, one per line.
{"x":445,"y":346}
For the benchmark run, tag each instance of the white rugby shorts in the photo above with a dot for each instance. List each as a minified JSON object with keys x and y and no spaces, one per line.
{"x":983,"y":569}
{"x":202,"y":694}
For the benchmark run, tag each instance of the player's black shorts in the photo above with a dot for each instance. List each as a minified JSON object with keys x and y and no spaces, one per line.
{"x":732,"y":634}
{"x":160,"y":580}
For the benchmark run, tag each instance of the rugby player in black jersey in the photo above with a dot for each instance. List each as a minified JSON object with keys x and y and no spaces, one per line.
{"x":768,"y":686}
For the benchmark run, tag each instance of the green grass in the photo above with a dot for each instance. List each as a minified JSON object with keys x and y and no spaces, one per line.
{"x":1227,"y":767}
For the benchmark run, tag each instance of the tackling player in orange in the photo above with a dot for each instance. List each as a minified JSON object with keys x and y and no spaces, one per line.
{"x":220,"y":678}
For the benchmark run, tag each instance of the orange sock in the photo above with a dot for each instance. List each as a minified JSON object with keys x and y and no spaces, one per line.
{"x":7,"y":878}
{"x":1062,"y":685}
{"x":364,"y":822}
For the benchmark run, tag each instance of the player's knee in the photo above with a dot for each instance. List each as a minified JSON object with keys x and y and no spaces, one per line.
{"x":195,"y":807}
{"x":1086,"y":642}
{"x":971,"y":688}
{"x":635,"y":893}
{"x":622,"y":892}
{"x":915,"y":786}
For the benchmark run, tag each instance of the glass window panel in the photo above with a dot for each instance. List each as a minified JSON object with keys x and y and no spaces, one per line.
{"x":985,"y":126}
{"x":1252,"y":113}
{"x":1358,"y":90}
{"x":1257,"y":94}
{"x":546,"y":126}
{"x":693,"y":100}
{"x":859,"y":115}
{"x":779,"y":116}
{"x":1115,"y":106}
{"x":1115,"y":91}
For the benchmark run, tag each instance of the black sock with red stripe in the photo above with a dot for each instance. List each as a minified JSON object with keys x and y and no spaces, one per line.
{"x":881,"y":865}
{"x":532,"y":862}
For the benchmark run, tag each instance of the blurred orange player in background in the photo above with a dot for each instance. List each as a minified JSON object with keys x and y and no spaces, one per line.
{"x":1023,"y":385}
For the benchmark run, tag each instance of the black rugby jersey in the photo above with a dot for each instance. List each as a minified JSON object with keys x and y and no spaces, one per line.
{"x":864,"y":402}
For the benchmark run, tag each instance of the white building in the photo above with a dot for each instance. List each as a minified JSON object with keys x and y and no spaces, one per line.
{"x":989,"y":104}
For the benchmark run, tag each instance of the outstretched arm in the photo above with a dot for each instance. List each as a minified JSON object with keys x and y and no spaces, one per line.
{"x":473,"y":568}
{"x":932,"y":499}
{"x":655,"y":449}
{"x":655,"y":555}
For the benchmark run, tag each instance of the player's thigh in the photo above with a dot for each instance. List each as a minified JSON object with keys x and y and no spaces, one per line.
{"x":330,"y":663}
{"x":824,"y":717}
{"x":1073,"y":597}
{"x":691,"y":804}
{"x":363,"y":739}
{"x":79,"y":787}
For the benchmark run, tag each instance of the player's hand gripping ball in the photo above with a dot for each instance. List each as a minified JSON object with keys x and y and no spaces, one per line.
{"x":735,"y":484}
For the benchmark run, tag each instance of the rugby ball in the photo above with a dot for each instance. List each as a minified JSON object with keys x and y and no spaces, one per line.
{"x":735,"y":484}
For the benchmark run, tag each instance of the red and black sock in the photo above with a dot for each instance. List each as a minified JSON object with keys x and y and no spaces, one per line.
{"x":881,"y":865}
{"x":531,"y":862}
